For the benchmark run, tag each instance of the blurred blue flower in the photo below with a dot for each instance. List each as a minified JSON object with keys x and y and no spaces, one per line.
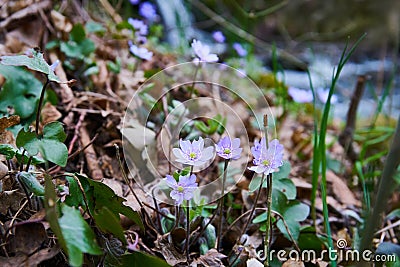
{"x":203,"y":52}
{"x":148,"y":11}
{"x":218,"y":36}
{"x":267,"y":160}
{"x":240,"y":50}
{"x":183,"y":189}
{"x":139,"y":26}
{"x":323,"y":96}
{"x":193,"y":153}
{"x":140,"y":52}
{"x":299,"y":95}
{"x":54,"y":65}
{"x":228,"y":149}
{"x":134,"y":2}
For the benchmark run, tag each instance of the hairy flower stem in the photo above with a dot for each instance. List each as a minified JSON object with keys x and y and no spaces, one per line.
{"x":221,"y":206}
{"x":194,"y":79}
{"x":40,"y":106}
{"x":188,"y":224}
{"x":250,"y":217}
{"x":268,"y":227}
{"x":187,"y":230}
{"x":253,"y":208}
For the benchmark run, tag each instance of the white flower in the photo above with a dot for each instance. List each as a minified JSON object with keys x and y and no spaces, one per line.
{"x":140,"y":52}
{"x":323,"y":96}
{"x":203,"y":52}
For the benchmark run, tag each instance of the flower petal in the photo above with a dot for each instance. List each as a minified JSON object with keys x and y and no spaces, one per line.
{"x":236,"y":153}
{"x":177,"y":196}
{"x":170,"y":181}
{"x":186,"y":146}
{"x":235,"y":143}
{"x":207,"y":153}
{"x":178,"y":154}
{"x":198,"y":145}
{"x":211,"y":58}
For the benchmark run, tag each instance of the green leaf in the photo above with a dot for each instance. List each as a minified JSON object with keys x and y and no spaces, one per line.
{"x":309,"y":240}
{"x":255,"y":183}
{"x":28,"y":179}
{"x":50,"y":146}
{"x":114,"y":67}
{"x":394,"y":214}
{"x":75,"y":197}
{"x":100,"y":195}
{"x":33,"y":61}
{"x":78,"y":50}
{"x":139,"y":259}
{"x":201,"y":126}
{"x":34,"y":161}
{"x":78,"y":235}
{"x":91,"y":70}
{"x":283,"y":172}
{"x":77,"y":33}
{"x":20,"y":92}
{"x":261,"y":218}
{"x":211,"y":236}
{"x":109,"y":223}
{"x":291,"y":210}
{"x":94,"y":27}
{"x":52,"y":212}
{"x":8,"y":151}
{"x":286,"y":186}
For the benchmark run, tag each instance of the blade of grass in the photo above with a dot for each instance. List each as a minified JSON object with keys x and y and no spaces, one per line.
{"x":316,"y":160}
{"x":367,"y":201}
{"x":321,"y":154}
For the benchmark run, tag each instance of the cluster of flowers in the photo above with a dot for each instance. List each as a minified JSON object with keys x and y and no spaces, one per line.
{"x":148,"y":12}
{"x":202,"y":51}
{"x":267,"y":159}
{"x":219,"y":37}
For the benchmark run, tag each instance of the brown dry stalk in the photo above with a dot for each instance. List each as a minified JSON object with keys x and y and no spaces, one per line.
{"x":90,"y":156}
{"x":346,"y":137}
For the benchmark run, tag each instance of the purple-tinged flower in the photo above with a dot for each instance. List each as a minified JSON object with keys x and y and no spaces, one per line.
{"x":203,"y":52}
{"x":218,"y":36}
{"x":134,"y":2}
{"x":323,"y":96}
{"x":183,"y":189}
{"x":299,"y":95}
{"x":148,"y":11}
{"x":193,"y":153}
{"x":140,"y":52}
{"x":141,"y":39}
{"x":267,"y":160}
{"x":54,"y":65}
{"x":139,"y":26}
{"x":228,"y":149}
{"x":240,"y":50}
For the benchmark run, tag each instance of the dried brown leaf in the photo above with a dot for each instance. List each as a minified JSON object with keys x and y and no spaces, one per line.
{"x":293,"y":263}
{"x":341,"y":191}
{"x":28,"y":238}
{"x":49,"y":113}
{"x":212,"y":258}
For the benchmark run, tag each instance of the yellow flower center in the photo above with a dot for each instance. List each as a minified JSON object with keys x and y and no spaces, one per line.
{"x":227,"y":151}
{"x":180,"y":189}
{"x":265,"y":162}
{"x":192,"y":155}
